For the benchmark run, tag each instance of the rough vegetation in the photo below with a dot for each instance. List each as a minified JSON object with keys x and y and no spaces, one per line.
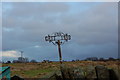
{"x":45,"y":70}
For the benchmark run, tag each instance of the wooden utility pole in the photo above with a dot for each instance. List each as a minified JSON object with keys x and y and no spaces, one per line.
{"x":58,"y":38}
{"x":59,"y":50}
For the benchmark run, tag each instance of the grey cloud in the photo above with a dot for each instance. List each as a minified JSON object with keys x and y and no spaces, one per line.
{"x":27,"y":9}
{"x":30,"y":22}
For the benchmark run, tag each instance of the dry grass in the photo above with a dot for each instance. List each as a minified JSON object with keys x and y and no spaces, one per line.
{"x":37,"y":70}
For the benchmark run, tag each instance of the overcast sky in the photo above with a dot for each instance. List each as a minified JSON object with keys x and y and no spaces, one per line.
{"x":92,"y":25}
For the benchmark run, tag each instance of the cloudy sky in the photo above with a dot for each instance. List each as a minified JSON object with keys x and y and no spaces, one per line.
{"x":92,"y":25}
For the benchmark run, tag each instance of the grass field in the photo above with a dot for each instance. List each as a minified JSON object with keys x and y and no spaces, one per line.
{"x":39,"y":70}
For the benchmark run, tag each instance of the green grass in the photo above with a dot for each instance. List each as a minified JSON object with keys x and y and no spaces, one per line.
{"x":32,"y":73}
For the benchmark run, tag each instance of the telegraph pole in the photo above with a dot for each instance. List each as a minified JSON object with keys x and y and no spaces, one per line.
{"x":21,"y":54}
{"x":58,"y":38}
{"x":59,"y":49}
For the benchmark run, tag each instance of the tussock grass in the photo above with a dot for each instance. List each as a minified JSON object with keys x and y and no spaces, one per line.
{"x":38,"y":70}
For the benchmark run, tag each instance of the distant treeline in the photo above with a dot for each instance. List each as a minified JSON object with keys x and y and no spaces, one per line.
{"x":25,"y":60}
{"x":98,"y":59}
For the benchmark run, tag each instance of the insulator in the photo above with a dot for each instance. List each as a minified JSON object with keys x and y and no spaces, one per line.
{"x":46,"y":38}
{"x":69,"y":37}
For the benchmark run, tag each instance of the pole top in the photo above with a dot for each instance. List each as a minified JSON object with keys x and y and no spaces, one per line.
{"x":58,"y":36}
